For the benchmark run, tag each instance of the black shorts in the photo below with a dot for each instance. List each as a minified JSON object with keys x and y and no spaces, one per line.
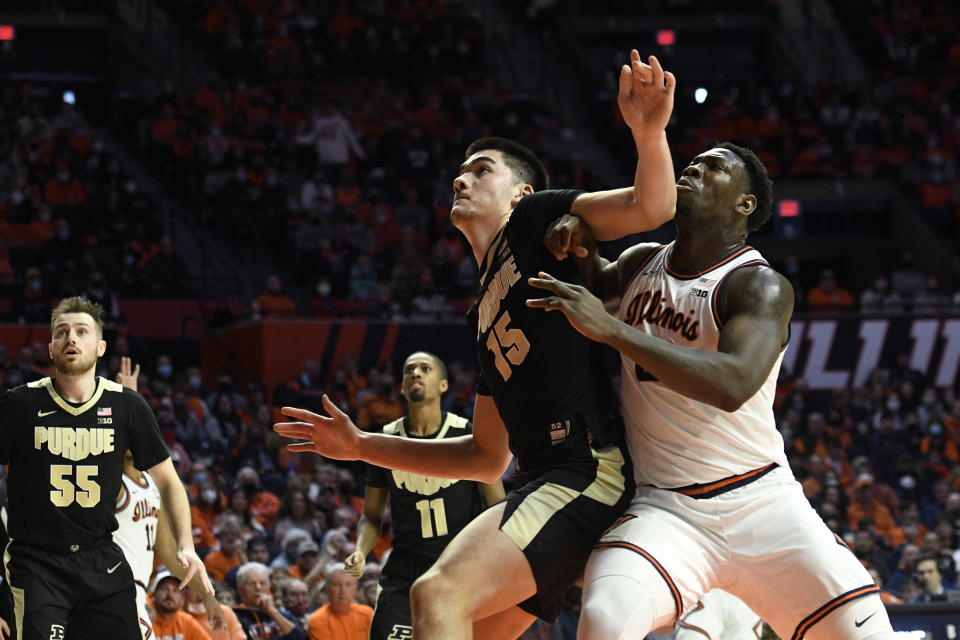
{"x":557,"y":517}
{"x":391,"y":617}
{"x":88,"y":593}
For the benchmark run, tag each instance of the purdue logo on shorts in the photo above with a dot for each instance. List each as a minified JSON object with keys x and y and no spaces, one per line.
{"x":400,"y":632}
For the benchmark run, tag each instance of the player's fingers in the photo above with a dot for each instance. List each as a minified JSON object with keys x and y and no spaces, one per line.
{"x":671,"y":81}
{"x":136,"y":371}
{"x":301,"y":447}
{"x":657,"y":71}
{"x":207,"y":584}
{"x":300,"y":430}
{"x":544,"y":283}
{"x":626,"y":80}
{"x":331,"y":407}
{"x":301,"y":414}
{"x":642,"y":74}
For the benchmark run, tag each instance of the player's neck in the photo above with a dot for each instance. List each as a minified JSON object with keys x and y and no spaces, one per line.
{"x":695,"y":252}
{"x":423,"y":419}
{"x":481,"y":232}
{"x":75,"y":388}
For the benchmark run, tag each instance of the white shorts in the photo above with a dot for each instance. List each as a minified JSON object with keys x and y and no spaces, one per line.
{"x":146,"y":626}
{"x":762,"y":542}
{"x":719,"y":616}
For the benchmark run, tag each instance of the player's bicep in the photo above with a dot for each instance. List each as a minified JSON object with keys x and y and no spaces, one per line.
{"x":759,"y":303}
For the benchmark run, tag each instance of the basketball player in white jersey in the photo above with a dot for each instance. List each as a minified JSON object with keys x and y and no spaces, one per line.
{"x":142,"y":529}
{"x":701,"y":324}
{"x":719,"y":616}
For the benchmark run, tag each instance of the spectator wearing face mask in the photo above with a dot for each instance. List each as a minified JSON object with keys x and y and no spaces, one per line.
{"x":32,"y":305}
{"x":63,"y":189}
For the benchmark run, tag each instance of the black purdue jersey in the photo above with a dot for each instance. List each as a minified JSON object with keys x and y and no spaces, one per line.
{"x":426,"y":513}
{"x":548,"y":381}
{"x":66,"y":460}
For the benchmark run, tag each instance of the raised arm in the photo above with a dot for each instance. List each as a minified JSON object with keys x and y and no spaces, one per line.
{"x":482,"y":456}
{"x":646,"y":102}
{"x":757,"y":307}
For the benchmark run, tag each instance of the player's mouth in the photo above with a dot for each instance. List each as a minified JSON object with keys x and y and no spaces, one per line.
{"x":684,"y":185}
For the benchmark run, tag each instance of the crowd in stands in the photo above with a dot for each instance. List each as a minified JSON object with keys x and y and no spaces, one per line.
{"x":353,"y":173}
{"x":72,"y":221}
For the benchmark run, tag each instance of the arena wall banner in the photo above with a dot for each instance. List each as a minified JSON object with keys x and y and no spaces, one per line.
{"x":836,"y":352}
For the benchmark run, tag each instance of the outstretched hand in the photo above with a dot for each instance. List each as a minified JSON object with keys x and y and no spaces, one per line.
{"x":569,"y":235}
{"x":127,"y":376}
{"x":584,"y":310}
{"x":646,"y":95}
{"x":334,"y":437}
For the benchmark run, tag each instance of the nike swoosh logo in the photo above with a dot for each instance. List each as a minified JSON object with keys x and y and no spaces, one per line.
{"x":117,"y":566}
{"x":42,"y":414}
{"x":860,"y":623}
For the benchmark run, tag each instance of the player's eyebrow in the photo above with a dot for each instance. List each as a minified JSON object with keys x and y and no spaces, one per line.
{"x":475,"y":161}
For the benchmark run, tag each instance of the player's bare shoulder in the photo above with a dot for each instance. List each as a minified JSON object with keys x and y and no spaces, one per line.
{"x":630,"y":261}
{"x":759,"y":290}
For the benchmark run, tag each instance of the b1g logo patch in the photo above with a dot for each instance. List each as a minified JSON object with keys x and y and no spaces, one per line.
{"x":56,"y":632}
{"x":400,"y":632}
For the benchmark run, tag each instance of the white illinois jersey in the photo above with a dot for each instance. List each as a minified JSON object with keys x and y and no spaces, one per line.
{"x":676,"y":441}
{"x":138,"y":507}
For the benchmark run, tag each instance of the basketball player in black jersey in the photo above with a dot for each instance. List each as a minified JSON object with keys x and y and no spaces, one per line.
{"x":426,"y":513}
{"x":543,"y":392}
{"x":64,"y":439}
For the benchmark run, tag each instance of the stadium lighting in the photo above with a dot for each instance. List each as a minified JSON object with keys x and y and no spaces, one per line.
{"x":789,"y":208}
{"x":69,"y":97}
{"x":700,"y":95}
{"x":666,"y":37}
{"x":6,"y":32}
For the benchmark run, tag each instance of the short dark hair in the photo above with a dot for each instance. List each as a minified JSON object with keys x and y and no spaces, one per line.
{"x":761,"y":186}
{"x":526,"y":166}
{"x":76,"y":304}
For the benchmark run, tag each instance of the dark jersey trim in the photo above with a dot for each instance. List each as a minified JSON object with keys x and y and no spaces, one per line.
{"x":690,"y":276}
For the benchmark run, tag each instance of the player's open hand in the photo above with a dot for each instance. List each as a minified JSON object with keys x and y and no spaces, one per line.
{"x":127,"y":376}
{"x":334,"y":437}
{"x":584,"y":310}
{"x":4,"y":629}
{"x":569,"y":235}
{"x":190,"y":561}
{"x":646,"y":95}
{"x":354,"y":564}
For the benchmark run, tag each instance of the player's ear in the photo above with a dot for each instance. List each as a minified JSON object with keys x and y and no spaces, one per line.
{"x":524,"y":190}
{"x":101,"y":348}
{"x":746,"y":204}
{"x":444,"y":385}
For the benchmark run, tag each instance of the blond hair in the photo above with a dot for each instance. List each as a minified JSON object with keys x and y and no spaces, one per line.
{"x":76,"y":304}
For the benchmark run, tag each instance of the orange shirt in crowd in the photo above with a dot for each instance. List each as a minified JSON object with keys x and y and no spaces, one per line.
{"x":234,"y":630}
{"x":218,"y":564}
{"x":181,"y":627}
{"x":326,"y":625}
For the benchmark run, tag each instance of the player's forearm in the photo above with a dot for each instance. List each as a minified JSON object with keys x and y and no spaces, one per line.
{"x":654,"y":184}
{"x":368,"y":532}
{"x":177,"y":507}
{"x":458,"y":458}
{"x":711,"y":377}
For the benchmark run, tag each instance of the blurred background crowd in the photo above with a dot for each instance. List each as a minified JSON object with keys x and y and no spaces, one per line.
{"x":294,"y":159}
